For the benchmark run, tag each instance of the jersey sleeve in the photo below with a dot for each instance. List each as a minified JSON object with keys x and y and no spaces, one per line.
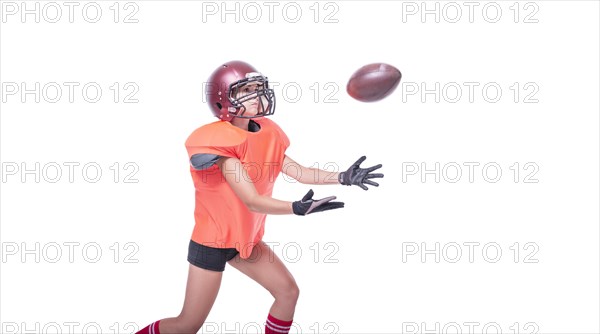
{"x":215,"y":138}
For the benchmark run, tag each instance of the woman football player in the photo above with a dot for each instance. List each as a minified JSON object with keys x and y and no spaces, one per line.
{"x":234,"y":163}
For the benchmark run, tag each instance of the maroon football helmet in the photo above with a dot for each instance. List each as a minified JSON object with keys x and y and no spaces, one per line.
{"x":224,"y":84}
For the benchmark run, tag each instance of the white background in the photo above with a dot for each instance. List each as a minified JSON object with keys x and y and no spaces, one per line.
{"x":376,"y":285}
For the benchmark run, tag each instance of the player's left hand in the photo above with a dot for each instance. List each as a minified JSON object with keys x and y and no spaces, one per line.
{"x":360,"y":176}
{"x":309,"y":205}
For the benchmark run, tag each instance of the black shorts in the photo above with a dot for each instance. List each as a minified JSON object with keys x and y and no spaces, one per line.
{"x":208,"y":257}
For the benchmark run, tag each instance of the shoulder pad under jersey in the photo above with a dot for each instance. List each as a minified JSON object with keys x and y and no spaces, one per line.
{"x":216,"y":134}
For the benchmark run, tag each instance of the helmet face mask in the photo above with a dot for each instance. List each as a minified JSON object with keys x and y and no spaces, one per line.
{"x":234,"y":84}
{"x":260,"y":90}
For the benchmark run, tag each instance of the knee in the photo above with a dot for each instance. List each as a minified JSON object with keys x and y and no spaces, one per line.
{"x":295,"y":292}
{"x":289,"y":293}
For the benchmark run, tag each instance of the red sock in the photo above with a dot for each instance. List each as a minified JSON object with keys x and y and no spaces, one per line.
{"x":150,"y":329}
{"x":276,"y":326}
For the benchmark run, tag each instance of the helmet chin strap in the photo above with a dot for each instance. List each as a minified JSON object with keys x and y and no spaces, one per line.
{"x":239,"y":114}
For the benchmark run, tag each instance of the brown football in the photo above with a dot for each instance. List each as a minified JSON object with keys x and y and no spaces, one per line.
{"x":373,"y":82}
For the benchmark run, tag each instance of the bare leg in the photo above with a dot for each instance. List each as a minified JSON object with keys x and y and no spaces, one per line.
{"x":200,"y":295}
{"x":268,"y":270}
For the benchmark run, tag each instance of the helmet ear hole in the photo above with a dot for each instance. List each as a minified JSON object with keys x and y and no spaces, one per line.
{"x":219,"y":105}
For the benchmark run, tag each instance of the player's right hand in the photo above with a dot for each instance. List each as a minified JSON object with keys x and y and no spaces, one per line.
{"x":309,"y":205}
{"x":360,"y":176}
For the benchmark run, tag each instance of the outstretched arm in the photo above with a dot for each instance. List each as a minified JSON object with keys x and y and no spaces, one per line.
{"x":354,"y":175}
{"x":246,"y":192}
{"x":308,"y":175}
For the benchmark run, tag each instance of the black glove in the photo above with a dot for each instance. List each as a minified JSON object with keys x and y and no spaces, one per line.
{"x":359,"y":176}
{"x":309,"y":205}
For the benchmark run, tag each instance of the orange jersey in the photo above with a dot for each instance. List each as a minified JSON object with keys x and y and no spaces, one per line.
{"x":222,"y":220}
